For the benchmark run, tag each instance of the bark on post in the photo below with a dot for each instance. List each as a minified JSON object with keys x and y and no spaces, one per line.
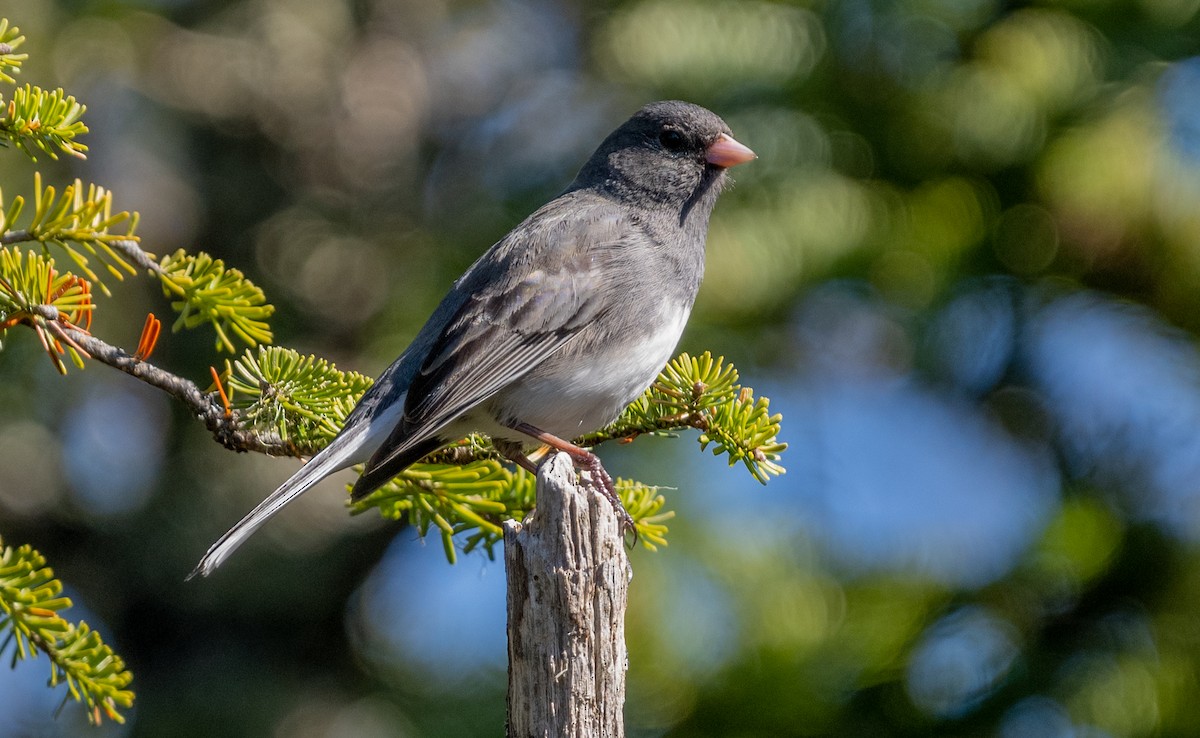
{"x":568,"y":579}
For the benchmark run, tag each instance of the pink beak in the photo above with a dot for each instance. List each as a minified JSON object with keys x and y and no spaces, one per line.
{"x":726,"y":152}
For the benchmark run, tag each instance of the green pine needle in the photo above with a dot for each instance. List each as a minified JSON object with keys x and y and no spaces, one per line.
{"x":81,"y":222}
{"x":207,"y":292}
{"x":10,"y":61}
{"x":29,"y":281}
{"x":49,"y":121}
{"x":30,"y":600}
{"x":472,"y":500}
{"x":645,"y":505}
{"x":304,"y":399}
{"x":703,"y":393}
{"x":744,"y":430}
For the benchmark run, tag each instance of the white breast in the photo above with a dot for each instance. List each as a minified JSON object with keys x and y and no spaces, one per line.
{"x":586,"y":391}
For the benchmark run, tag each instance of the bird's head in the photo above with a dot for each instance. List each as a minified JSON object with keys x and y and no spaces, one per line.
{"x":670,"y":155}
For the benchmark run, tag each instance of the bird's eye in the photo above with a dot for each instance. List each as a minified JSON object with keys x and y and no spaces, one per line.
{"x":672,"y":140}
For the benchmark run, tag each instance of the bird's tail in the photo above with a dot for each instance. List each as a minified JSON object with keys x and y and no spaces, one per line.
{"x":345,"y":450}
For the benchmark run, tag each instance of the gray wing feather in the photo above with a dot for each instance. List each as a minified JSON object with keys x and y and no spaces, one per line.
{"x":527,"y":297}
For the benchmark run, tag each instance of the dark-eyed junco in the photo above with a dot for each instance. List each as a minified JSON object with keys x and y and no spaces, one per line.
{"x":559,"y":326}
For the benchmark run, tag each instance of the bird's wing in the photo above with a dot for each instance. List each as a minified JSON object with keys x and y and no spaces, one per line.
{"x":528,"y":297}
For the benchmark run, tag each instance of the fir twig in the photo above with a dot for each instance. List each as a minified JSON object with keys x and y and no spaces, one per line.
{"x":288,"y":404}
{"x":227,"y":428}
{"x":30,"y":602}
{"x":81,"y":223}
{"x":58,"y":307}
{"x":302,"y":398}
{"x":44,"y":120}
{"x":10,"y":60}
{"x":30,"y":288}
{"x":703,"y":393}
{"x":207,"y":292}
{"x":472,"y":500}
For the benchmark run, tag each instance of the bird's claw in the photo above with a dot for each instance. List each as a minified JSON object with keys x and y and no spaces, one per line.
{"x":609,"y":489}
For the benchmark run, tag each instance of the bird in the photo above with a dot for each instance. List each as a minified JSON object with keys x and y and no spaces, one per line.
{"x":556,"y":328}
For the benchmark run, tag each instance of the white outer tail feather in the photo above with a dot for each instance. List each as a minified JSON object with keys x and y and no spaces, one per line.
{"x":345,"y":451}
{"x":354,"y":445}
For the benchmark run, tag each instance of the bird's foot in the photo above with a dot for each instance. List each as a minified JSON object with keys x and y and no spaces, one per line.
{"x":590,"y":462}
{"x":608,"y":488}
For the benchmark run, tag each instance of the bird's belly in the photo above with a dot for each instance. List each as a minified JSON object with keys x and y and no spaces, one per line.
{"x":577,"y":392}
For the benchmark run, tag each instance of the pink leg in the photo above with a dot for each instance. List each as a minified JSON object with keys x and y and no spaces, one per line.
{"x":587,"y":460}
{"x":512,"y":452}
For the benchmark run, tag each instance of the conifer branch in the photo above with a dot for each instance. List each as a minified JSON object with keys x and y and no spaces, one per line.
{"x":44,"y":120}
{"x":30,"y":284}
{"x":227,"y":428}
{"x":58,"y":307}
{"x":30,"y":602}
{"x":703,"y":393}
{"x":207,"y":292}
{"x":691,"y":392}
{"x":465,"y":491}
{"x":472,"y":500}
{"x":80,"y":222}
{"x":301,"y":398}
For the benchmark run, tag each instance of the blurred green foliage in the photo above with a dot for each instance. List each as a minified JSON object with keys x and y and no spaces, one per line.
{"x":1038,"y":163}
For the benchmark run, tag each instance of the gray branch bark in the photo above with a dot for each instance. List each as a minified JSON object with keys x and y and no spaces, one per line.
{"x":568,"y":581}
{"x":225,"y":427}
